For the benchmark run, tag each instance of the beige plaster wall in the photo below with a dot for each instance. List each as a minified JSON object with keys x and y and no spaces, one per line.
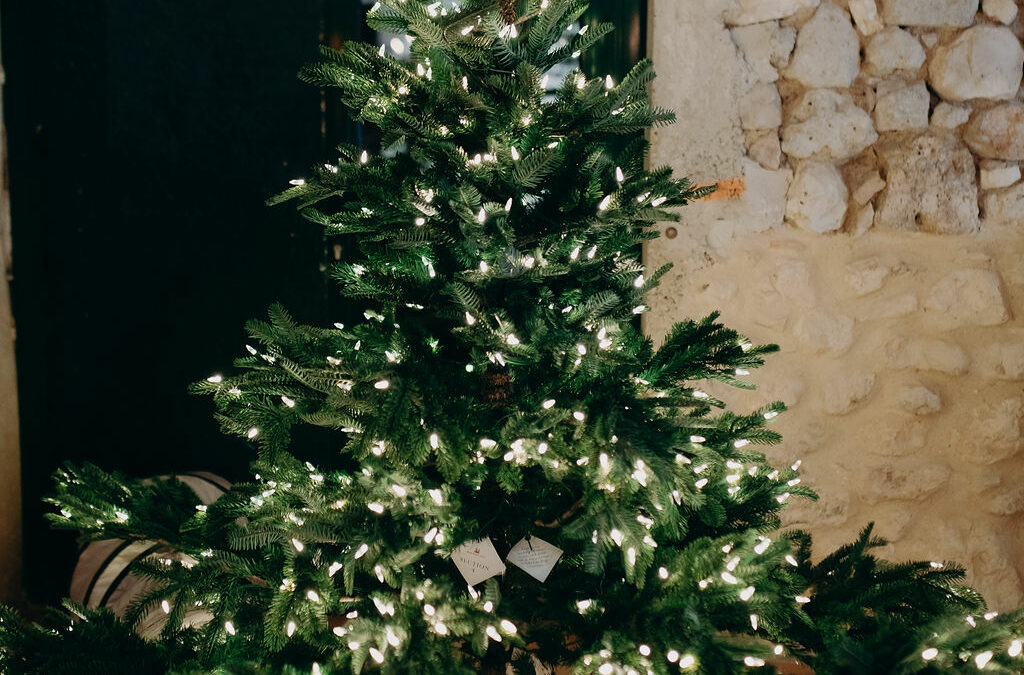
{"x":10,"y":458}
{"x":901,"y":333}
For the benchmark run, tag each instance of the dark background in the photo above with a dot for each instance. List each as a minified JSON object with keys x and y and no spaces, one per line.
{"x":143,"y":138}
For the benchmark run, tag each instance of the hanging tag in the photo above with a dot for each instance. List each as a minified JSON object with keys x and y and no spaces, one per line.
{"x":478,"y":561}
{"x":534,"y":556}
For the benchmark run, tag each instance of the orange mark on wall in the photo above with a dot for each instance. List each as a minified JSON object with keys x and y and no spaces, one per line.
{"x":727,"y":189}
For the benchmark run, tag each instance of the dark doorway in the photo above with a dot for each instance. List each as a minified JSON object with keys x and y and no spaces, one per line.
{"x":143,"y":139}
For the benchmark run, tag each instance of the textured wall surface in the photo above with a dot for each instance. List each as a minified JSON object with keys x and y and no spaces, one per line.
{"x":877,"y":238}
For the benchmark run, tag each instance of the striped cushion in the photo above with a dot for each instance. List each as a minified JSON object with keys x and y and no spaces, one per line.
{"x":103,"y":578}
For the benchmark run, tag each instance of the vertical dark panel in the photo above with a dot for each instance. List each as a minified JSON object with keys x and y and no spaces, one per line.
{"x":144,"y":138}
{"x":618,"y":52}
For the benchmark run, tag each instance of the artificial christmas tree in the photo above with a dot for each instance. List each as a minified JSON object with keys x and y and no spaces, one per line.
{"x":521,"y":477}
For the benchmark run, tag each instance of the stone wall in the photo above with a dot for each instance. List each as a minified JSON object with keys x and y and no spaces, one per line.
{"x":873,"y":229}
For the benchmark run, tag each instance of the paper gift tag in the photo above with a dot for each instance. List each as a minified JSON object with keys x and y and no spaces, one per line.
{"x":478,"y":561}
{"x":534,"y":556}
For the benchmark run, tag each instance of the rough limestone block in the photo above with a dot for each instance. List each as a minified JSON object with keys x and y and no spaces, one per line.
{"x":970,"y":297}
{"x":1004,"y":207}
{"x":994,"y":175}
{"x":860,"y":220}
{"x":983,"y":62}
{"x":927,"y":354}
{"x":830,"y":510}
{"x":1004,"y":360}
{"x":930,"y":185}
{"x":910,"y":479}
{"x":958,"y":13}
{"x":997,"y":133}
{"x":919,"y":400}
{"x":783,"y":44}
{"x":816,"y":200}
{"x":892,"y":307}
{"x":821,"y":332}
{"x":1003,"y":11}
{"x":743,"y":12}
{"x":1007,"y":500}
{"x":761,"y":206}
{"x":784,"y":388}
{"x":891,"y":50}
{"x":765,"y":149}
{"x":827,"y":50}
{"x":866,"y":275}
{"x":761,"y":107}
{"x":901,"y":106}
{"x":826,"y":124}
{"x":793,"y":280}
{"x":841,"y":393}
{"x":865,"y":15}
{"x":870,"y":186}
{"x":758,"y":43}
{"x":997,"y":431}
{"x":949,"y":115}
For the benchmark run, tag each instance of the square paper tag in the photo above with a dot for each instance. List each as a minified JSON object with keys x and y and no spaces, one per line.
{"x":478,"y":561}
{"x":534,"y":556}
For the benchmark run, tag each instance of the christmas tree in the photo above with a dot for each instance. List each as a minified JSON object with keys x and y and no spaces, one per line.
{"x":520,"y":476}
